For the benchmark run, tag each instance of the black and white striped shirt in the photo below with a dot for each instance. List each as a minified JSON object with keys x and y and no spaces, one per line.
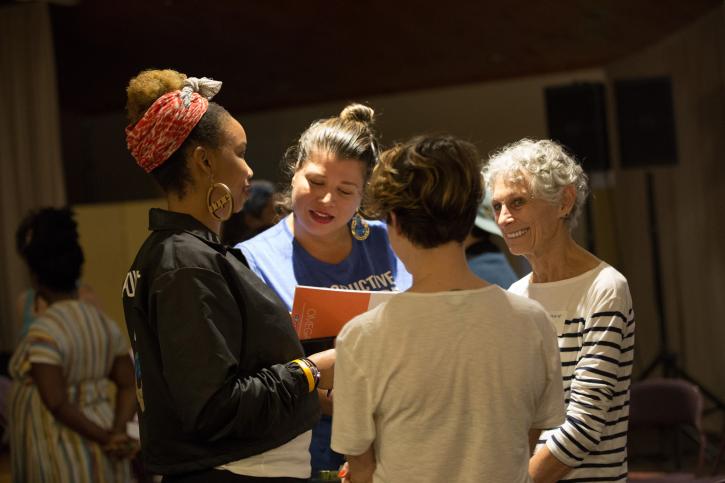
{"x":594,"y":320}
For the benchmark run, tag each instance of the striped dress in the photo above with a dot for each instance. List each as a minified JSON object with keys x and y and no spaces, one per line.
{"x":594,"y":320}
{"x":83,"y":342}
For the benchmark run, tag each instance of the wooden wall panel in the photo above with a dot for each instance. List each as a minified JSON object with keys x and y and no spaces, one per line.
{"x":110,"y":235}
{"x":689,"y":203}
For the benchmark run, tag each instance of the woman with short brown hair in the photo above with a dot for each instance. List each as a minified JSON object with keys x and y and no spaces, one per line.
{"x":450,"y":380}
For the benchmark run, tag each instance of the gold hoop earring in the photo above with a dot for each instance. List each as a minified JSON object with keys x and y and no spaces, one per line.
{"x":359,"y":228}
{"x":219,"y":203}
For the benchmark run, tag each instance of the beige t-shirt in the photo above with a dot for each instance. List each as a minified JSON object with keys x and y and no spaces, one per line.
{"x":446,"y":386}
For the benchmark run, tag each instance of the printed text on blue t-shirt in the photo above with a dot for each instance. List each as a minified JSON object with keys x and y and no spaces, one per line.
{"x":384,"y":281}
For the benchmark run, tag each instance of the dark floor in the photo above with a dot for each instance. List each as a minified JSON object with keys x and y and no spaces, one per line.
{"x":645,"y":461}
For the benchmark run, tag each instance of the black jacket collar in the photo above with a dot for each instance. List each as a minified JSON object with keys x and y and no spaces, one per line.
{"x":160,"y":220}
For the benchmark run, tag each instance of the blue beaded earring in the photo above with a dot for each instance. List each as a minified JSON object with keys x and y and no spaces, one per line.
{"x":359,"y":228}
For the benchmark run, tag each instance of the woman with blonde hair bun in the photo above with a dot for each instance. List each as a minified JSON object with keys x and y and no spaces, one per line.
{"x":224,"y":390}
{"x":325,"y":242}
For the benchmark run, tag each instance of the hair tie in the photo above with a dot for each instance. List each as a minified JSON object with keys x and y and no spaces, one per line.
{"x":206,"y":87}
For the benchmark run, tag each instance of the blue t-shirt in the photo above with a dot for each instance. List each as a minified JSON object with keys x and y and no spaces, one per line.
{"x":494,"y":268}
{"x":283,"y":264}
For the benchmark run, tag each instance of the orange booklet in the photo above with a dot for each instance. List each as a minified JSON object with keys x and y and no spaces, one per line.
{"x":318,"y":312}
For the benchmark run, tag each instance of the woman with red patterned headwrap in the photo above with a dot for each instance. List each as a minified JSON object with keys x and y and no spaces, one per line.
{"x":224,"y":391}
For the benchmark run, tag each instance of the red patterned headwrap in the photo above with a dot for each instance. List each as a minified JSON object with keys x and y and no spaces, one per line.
{"x":166,"y":124}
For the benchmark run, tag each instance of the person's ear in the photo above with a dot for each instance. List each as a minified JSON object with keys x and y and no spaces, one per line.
{"x":568,"y":197}
{"x":199,"y":158}
{"x":393,"y":222}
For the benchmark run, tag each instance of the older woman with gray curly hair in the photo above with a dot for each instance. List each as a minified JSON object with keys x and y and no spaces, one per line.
{"x":538,"y":193}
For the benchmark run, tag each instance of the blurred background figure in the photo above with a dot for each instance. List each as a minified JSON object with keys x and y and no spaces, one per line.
{"x":484,"y":256}
{"x":64,"y":422}
{"x":257,"y":215}
{"x":30,"y":305}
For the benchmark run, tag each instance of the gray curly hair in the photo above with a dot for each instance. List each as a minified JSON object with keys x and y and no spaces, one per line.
{"x":550,"y":168}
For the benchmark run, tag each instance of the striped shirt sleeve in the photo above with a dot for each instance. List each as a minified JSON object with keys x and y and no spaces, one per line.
{"x":43,"y":344}
{"x":596,"y":375}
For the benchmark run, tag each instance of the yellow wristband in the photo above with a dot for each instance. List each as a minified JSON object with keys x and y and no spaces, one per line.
{"x":308,"y":373}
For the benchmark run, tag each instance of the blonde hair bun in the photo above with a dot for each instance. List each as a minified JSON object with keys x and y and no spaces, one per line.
{"x":148,"y":86}
{"x":358,"y":112}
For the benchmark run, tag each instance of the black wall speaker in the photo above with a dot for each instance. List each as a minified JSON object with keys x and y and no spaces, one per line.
{"x":576,"y":117}
{"x":646,"y":122}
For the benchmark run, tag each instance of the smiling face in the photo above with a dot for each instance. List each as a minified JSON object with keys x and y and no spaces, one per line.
{"x":530,"y":225}
{"x":326,"y":192}
{"x":230,"y":166}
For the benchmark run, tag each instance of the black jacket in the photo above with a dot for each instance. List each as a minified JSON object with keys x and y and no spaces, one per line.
{"x":212,"y":345}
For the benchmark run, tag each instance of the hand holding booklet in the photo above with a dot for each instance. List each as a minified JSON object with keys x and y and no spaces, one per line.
{"x":319,"y":313}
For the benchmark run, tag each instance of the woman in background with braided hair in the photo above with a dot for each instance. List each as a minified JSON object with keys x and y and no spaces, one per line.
{"x":64,"y":423}
{"x":224,"y":391}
